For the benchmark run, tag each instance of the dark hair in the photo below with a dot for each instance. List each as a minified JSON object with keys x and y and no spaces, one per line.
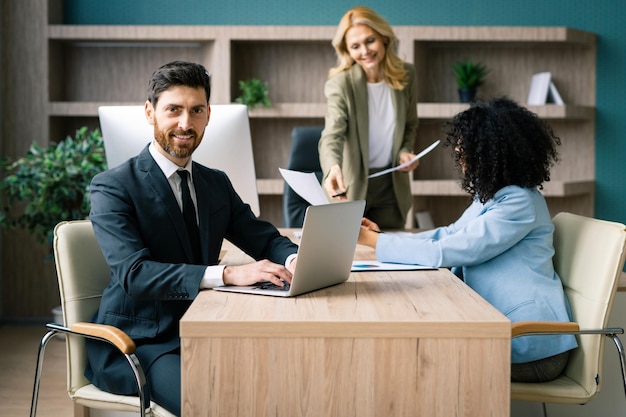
{"x":498,"y":143}
{"x":177,"y":73}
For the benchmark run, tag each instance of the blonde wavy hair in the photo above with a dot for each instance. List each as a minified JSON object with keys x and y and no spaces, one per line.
{"x":392,"y":67}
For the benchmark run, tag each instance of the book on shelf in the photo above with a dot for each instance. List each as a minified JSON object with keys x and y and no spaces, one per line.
{"x":553,"y":95}
{"x":542,"y":90}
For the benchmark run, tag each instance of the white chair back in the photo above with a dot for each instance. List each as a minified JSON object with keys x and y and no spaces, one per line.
{"x":83,"y":274}
{"x":589,"y":257}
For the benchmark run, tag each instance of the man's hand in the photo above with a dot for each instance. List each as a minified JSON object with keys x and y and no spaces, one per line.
{"x":250,"y":274}
{"x":292,"y":265}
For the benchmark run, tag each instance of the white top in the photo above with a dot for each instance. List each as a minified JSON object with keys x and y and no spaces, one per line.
{"x":382,"y":122}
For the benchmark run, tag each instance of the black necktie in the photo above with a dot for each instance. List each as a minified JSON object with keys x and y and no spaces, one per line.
{"x":189,"y":213}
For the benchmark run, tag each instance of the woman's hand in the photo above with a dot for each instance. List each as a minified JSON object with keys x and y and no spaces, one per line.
{"x":250,"y":274}
{"x":370,"y":225}
{"x":334,"y":183}
{"x":368,"y":235}
{"x":406,"y":157}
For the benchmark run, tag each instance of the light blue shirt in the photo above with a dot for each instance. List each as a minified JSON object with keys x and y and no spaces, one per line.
{"x":503,"y":250}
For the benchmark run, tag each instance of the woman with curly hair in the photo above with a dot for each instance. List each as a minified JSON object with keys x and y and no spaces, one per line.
{"x":501,"y":246}
{"x":371,"y":119}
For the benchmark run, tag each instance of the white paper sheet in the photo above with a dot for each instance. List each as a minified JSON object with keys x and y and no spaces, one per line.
{"x":406,"y":164}
{"x":373,"y":266}
{"x":306,"y":185}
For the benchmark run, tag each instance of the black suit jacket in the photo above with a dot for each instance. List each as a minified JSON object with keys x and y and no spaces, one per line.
{"x":142,"y":234}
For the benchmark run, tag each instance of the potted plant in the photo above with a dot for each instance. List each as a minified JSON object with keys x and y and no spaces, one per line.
{"x":254,"y":92}
{"x":469,"y":76}
{"x":50,"y":185}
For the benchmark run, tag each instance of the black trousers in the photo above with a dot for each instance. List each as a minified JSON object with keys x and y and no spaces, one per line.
{"x":382,"y":206}
{"x":163,"y":380}
{"x":542,"y":370}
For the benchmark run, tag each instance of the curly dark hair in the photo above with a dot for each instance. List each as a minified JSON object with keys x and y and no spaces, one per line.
{"x":497,"y":143}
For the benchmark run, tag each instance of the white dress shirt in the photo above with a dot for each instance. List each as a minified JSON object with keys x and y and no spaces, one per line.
{"x":213,"y":274}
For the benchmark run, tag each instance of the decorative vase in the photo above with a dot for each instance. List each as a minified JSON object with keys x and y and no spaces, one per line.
{"x":466,"y":95}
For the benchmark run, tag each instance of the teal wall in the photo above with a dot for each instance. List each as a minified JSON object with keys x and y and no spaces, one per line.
{"x":606,"y":18}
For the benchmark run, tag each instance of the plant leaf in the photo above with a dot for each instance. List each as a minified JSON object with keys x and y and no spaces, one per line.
{"x":48,"y":185}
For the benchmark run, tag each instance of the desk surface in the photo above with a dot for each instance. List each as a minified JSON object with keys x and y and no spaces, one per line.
{"x":404,"y":303}
{"x":400,"y":343}
{"x":369,"y":304}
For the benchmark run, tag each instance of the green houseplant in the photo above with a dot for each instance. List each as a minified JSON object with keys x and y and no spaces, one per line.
{"x":50,"y":184}
{"x":254,"y":92}
{"x":469,"y":76}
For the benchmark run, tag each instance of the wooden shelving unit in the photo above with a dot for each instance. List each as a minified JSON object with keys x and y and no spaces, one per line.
{"x":91,"y":66}
{"x":56,"y":76}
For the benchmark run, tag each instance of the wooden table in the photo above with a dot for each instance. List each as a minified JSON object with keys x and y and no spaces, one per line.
{"x":381,"y":344}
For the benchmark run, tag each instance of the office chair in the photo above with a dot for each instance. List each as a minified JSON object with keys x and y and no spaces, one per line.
{"x":589,"y":257}
{"x":304,"y":157}
{"x":83,"y":274}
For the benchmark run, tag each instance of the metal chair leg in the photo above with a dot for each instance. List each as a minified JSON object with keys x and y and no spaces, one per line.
{"x":622,"y":358}
{"x":141,"y":382}
{"x":131,"y":359}
{"x":42,"y":347}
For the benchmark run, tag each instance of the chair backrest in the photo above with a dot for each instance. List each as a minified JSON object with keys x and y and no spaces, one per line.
{"x":226,"y":145}
{"x":589,"y":257}
{"x":83,"y":274}
{"x":304,"y":157}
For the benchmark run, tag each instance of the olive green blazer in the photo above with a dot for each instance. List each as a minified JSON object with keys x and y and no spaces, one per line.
{"x":345,"y":138}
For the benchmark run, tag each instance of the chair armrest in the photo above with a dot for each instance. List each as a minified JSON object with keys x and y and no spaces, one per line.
{"x":111,"y":334}
{"x":522,"y":328}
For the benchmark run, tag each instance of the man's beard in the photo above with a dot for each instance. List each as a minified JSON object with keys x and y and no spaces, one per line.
{"x":171,"y":147}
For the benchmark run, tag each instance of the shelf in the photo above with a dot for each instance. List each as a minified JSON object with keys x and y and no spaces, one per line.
{"x":452,"y":188}
{"x":186,"y":33}
{"x":418,"y":33}
{"x":85,"y":108}
{"x":548,"y":111}
{"x":280,"y":110}
{"x":290,"y":110}
{"x":270,"y":186}
{"x":109,"y":64}
{"x":433,"y":111}
{"x":568,"y":188}
{"x":129,"y":33}
{"x":437,"y":188}
{"x":492,"y":34}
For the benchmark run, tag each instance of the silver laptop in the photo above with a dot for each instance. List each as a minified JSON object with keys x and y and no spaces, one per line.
{"x":327,"y":246}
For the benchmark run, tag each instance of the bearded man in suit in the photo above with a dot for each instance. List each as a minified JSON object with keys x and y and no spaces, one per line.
{"x":159,"y":262}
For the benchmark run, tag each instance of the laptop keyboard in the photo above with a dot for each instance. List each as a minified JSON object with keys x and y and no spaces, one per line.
{"x":267,"y":285}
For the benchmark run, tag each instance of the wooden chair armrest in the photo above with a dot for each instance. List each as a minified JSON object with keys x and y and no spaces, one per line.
{"x":521,"y":328}
{"x":110,"y":333}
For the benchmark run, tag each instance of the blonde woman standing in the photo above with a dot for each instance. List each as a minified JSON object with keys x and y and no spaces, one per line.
{"x":371,"y":119}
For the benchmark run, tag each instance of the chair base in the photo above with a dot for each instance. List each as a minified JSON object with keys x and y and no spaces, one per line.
{"x":89,"y":396}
